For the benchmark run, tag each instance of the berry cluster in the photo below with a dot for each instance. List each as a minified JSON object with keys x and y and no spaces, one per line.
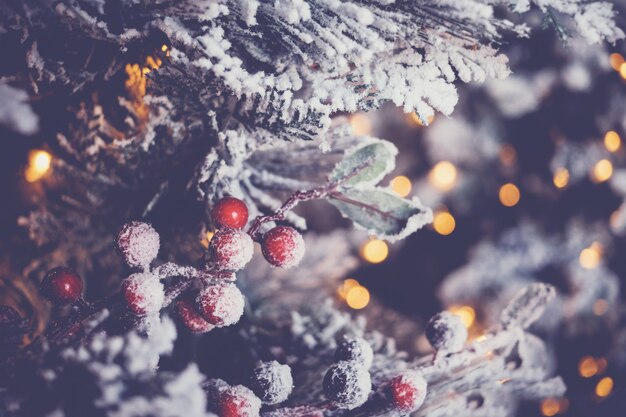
{"x":271,"y":384}
{"x":347,"y":383}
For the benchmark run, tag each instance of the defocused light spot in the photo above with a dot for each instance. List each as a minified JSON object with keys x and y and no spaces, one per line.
{"x":600,"y":307}
{"x":612,"y":141}
{"x":416,"y":119}
{"x":39,"y":162}
{"x":616,"y":61}
{"x":508,"y":155}
{"x":358,"y":297}
{"x":466,"y":313}
{"x":587,"y":367}
{"x":375,"y":251}
{"x":207,"y":239}
{"x":444,"y":223}
{"x":346,"y":286}
{"x":550,"y":407}
{"x":590,"y":257}
{"x":401,"y":185}
{"x":561,"y":178}
{"x":164,"y":48}
{"x":622,"y":70}
{"x":361,"y":124}
{"x":604,"y":387}
{"x":509,"y":195}
{"x":443,"y":176}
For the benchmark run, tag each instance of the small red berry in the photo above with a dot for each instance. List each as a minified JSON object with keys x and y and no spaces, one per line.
{"x":191,"y":318}
{"x":407,"y":391}
{"x":231,"y":249}
{"x":143,"y":293}
{"x":62,"y":286}
{"x":239,"y":401}
{"x":230,"y":212}
{"x":221,"y":305}
{"x":283,"y":246}
{"x":138,"y":243}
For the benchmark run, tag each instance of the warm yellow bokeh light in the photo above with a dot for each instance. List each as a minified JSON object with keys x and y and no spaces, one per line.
{"x":604,"y":387}
{"x":416,"y":119}
{"x":375,"y":251}
{"x":346,"y":286}
{"x":616,"y":61}
{"x":358,"y":297}
{"x":550,"y":407}
{"x":443,"y":176}
{"x":361,"y":124}
{"x":39,"y":162}
{"x":444,"y":223}
{"x":561,"y":178}
{"x":164,"y":48}
{"x":509,"y":195}
{"x":207,"y":239}
{"x":466,"y":313}
{"x":622,"y":70}
{"x":612,"y":141}
{"x":590,"y":257}
{"x":401,"y":185}
{"x":587,"y":367}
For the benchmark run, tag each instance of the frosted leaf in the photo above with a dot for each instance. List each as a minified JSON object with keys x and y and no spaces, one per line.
{"x":144,"y":293}
{"x":221,"y":305}
{"x":357,"y":350}
{"x":139,"y":244}
{"x":527,"y":306}
{"x":382,"y":212}
{"x":15,"y":112}
{"x":446,"y":332}
{"x":366,"y":164}
{"x":346,"y":385}
{"x":272,"y":382}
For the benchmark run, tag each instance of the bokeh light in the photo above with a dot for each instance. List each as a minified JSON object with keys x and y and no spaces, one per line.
{"x":39,"y":162}
{"x":509,"y":195}
{"x":358,"y":297}
{"x":590,"y":257}
{"x":361,"y":124}
{"x":401,"y":185}
{"x":375,"y":251}
{"x":612,"y":141}
{"x":443,"y":176}
{"x":602,"y":170}
{"x":561,"y":178}
{"x":604,"y":387}
{"x":466,"y":313}
{"x":444,"y":223}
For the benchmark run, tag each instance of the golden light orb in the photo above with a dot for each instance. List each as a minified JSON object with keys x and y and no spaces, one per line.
{"x":39,"y":162}
{"x":616,"y":61}
{"x":401,"y":185}
{"x":444,"y":223}
{"x":587,"y":367}
{"x":358,"y":297}
{"x":361,"y":124}
{"x":443,"y":176}
{"x":561,"y":178}
{"x":612,"y":141}
{"x":346,"y":286}
{"x":550,"y":407}
{"x":375,"y":251}
{"x":416,"y":119}
{"x":467,"y":314}
{"x":604,"y":387}
{"x":509,"y":195}
{"x":590,"y":257}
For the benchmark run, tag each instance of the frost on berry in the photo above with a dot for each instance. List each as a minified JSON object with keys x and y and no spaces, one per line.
{"x":272,"y":382}
{"x":408,"y":391}
{"x":191,"y":318}
{"x":139,"y":244}
{"x":239,"y":401}
{"x":283,"y":246}
{"x":446,"y":332}
{"x":231,"y":249}
{"x":357,"y":350}
{"x":347,"y":385}
{"x":221,"y":305}
{"x":143,"y":293}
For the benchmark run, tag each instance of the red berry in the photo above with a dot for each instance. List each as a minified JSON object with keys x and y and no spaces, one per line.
{"x":407,"y":391}
{"x":139,"y":244}
{"x":62,"y":286}
{"x":230,"y":212}
{"x":239,"y":401}
{"x":221,"y":305}
{"x":231,"y":249}
{"x":283,"y":246}
{"x":143,"y":293}
{"x":191,"y":318}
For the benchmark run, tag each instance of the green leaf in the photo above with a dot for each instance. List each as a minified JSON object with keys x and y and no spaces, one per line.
{"x":382,"y":212}
{"x":365,"y":164}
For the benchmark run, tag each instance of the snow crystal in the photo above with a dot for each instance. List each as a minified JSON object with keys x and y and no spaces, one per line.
{"x":221,"y":305}
{"x":272,"y":382}
{"x":139,"y":244}
{"x":346,"y":385}
{"x":357,"y":350}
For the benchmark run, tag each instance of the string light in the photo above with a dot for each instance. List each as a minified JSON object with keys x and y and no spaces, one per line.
{"x":509,"y":195}
{"x":616,"y":61}
{"x":401,"y":185}
{"x":346,"y":286}
{"x":374,"y":251}
{"x":604,"y":387}
{"x":361,"y":124}
{"x":443,"y":176}
{"x":466,"y":313}
{"x":589,"y":257}
{"x":612,"y":141}
{"x":39,"y":162}
{"x":561,"y":178}
{"x":444,"y":223}
{"x":358,"y":297}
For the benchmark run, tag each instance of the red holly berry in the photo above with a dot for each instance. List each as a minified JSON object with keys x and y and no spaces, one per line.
{"x":407,"y":391}
{"x":143,"y":293}
{"x":239,"y":401}
{"x":230,"y":212}
{"x":283,"y":246}
{"x":221,"y":305}
{"x":62,"y":286}
{"x":138,"y":243}
{"x":231,"y":249}
{"x":191,"y":318}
